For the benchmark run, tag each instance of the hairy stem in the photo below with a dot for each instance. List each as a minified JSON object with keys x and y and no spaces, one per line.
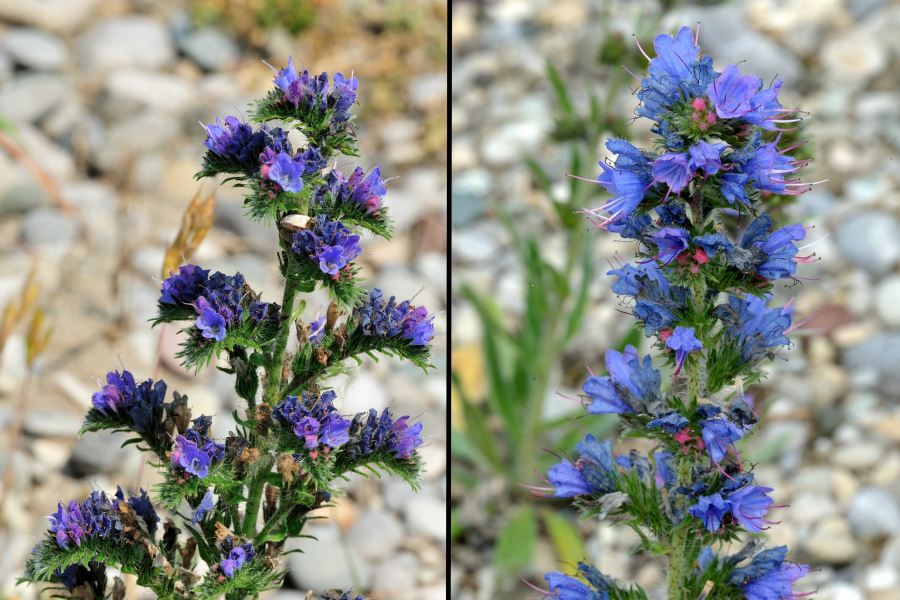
{"x":252,"y":511}
{"x":273,"y":371}
{"x":678,"y":566}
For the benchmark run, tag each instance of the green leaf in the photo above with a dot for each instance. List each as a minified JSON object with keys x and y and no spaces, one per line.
{"x":515,"y":544}
{"x":565,"y":538}
{"x":559,"y":89}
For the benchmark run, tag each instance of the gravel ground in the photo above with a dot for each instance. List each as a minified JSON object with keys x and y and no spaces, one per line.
{"x":105,"y":97}
{"x":833,"y":416}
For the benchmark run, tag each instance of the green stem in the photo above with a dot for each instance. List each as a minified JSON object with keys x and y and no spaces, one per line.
{"x":284,"y":507}
{"x":252,"y":511}
{"x":677,"y":564}
{"x":273,"y":372}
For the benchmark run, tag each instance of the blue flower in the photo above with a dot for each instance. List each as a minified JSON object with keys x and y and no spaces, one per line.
{"x":97,"y":516}
{"x":706,"y":156}
{"x":753,"y":326}
{"x":360,"y":189}
{"x":286,"y":172}
{"x":314,"y":419}
{"x":718,"y":435}
{"x":672,"y":168}
{"x":632,"y":384}
{"x":206,"y":505}
{"x":749,"y":505}
{"x":627,"y":181}
{"x":194,"y":452}
{"x":670,"y":422}
{"x":142,"y":403}
{"x":313,"y":93}
{"x":670,"y":241}
{"x":765,"y":167}
{"x":774,"y":250}
{"x":768,"y":576}
{"x":710,"y":509}
{"x":317,"y":330}
{"x":405,"y":439}
{"x":665,"y":471}
{"x":654,"y":315}
{"x":683,"y":342}
{"x":567,"y":480}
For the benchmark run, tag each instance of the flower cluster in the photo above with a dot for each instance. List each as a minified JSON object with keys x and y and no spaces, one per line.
{"x":218,"y":300}
{"x":193,"y":451}
{"x":377,"y":317}
{"x":314,"y":92}
{"x":98,"y":516}
{"x":361,"y":189}
{"x":236,"y":556}
{"x":327,"y":243}
{"x":315,"y":420}
{"x":719,"y":148}
{"x":370,"y":432}
{"x":141,"y":404}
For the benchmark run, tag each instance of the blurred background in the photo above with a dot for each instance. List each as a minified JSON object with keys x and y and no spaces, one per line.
{"x":538,"y":86}
{"x":99,"y":140}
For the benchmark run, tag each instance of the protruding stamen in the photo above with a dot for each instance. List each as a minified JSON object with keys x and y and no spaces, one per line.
{"x":640,"y":48}
{"x":697,"y":35}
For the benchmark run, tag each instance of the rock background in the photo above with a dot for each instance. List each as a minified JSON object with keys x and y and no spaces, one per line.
{"x":105,"y":96}
{"x":830,"y":444}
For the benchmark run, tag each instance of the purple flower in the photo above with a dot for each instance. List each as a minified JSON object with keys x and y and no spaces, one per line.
{"x":710,"y":509}
{"x":631,"y":384}
{"x":329,"y":243}
{"x":670,"y":241}
{"x":343,"y":96}
{"x":672,"y":168}
{"x":141,"y":404}
{"x":742,"y":97}
{"x":189,"y":457}
{"x":286,"y":172}
{"x":765,"y":166}
{"x":120,"y":391}
{"x":375,"y":317}
{"x":335,"y":431}
{"x":97,"y":516}
{"x":405,"y":439}
{"x":308,"y":429}
{"x":567,"y":480}
{"x":237,"y":558}
{"x":317,"y":330}
{"x":206,"y":505}
{"x":367,"y":190}
{"x":210,"y":323}
{"x":312,"y":92}
{"x":223,"y":138}
{"x":314,"y":419}
{"x":733,"y":187}
{"x":183,"y":288}
{"x":749,"y":505}
{"x":718,"y":435}
{"x":683,"y":342}
{"x":706,"y":156}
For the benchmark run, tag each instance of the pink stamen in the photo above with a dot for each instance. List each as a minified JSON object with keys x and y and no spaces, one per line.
{"x":697,"y":34}
{"x":640,"y":48}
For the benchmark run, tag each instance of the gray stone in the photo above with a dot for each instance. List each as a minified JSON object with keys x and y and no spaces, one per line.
{"x":29,"y":97}
{"x":512,"y":141}
{"x":125,"y":41}
{"x":887,"y":300}
{"x":361,"y":393}
{"x":878,"y":353}
{"x":396,"y":575}
{"x":428,"y":90}
{"x":51,"y":423}
{"x":870,"y":240}
{"x":134,"y":136}
{"x":157,"y":90}
{"x":48,"y":227}
{"x":831,"y":542}
{"x":874,"y":512}
{"x":375,"y":534}
{"x":428,"y":516}
{"x":323,"y":564}
{"x":210,"y":48}
{"x":35,"y":49}
{"x":55,"y":15}
{"x":478,"y":244}
{"x":97,"y":453}
{"x":468,"y":199}
{"x":23,"y":196}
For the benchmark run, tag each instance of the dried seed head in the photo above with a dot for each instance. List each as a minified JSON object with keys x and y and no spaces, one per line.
{"x":288,"y":467}
{"x":332,"y":316}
